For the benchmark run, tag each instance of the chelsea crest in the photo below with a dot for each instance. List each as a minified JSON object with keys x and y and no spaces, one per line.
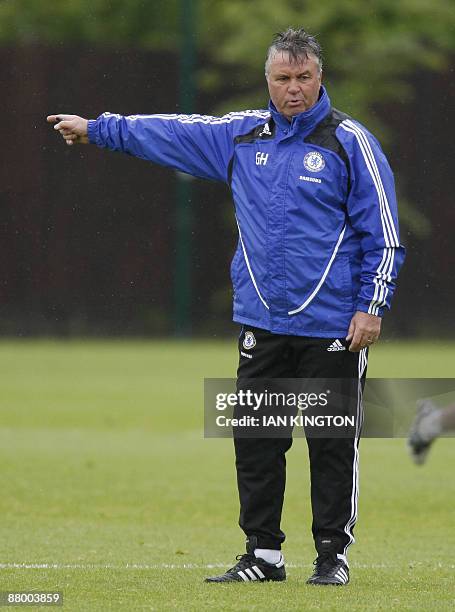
{"x":313,"y":161}
{"x":249,"y":341}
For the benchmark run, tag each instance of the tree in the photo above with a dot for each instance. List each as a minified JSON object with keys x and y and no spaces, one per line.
{"x":371,"y":47}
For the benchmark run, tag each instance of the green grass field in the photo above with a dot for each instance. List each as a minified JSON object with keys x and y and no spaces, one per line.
{"x":110,"y":493}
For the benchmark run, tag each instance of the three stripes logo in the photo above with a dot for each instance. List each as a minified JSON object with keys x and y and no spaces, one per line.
{"x":250,"y":574}
{"x":342,"y":576}
{"x":336,"y":346}
{"x":265,"y":131}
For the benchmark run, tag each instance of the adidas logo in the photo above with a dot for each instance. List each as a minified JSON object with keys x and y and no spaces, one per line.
{"x":251,"y":574}
{"x":265,"y":131}
{"x":336,"y":346}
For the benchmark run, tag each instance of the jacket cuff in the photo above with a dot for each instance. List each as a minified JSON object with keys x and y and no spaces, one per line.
{"x":364,"y":305}
{"x":91,"y":131}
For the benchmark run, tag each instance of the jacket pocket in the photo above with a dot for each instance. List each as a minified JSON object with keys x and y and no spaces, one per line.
{"x":339,"y":282}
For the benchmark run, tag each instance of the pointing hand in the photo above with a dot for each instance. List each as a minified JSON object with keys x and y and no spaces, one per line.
{"x":72,"y":128}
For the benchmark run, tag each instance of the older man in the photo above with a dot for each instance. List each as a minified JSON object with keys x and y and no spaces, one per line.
{"x":317,"y":256}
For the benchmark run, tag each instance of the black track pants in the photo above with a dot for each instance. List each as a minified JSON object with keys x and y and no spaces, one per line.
{"x":261,"y":462}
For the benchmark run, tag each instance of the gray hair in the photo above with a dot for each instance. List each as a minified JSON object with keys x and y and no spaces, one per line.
{"x":298,"y":43}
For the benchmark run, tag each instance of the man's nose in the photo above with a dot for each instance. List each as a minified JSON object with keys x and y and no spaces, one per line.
{"x":293,"y":87}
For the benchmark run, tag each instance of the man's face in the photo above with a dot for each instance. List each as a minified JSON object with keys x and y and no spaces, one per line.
{"x":293,"y":86}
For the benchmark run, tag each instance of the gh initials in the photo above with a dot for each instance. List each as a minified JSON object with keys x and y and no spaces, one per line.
{"x":261,"y":158}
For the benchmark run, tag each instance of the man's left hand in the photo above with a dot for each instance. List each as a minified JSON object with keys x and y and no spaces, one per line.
{"x":364,"y":330}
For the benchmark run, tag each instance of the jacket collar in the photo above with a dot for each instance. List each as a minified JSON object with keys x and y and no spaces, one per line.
{"x":303,"y":123}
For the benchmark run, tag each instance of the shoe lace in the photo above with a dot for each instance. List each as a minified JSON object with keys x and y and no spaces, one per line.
{"x":243,"y":561}
{"x":325,"y":562}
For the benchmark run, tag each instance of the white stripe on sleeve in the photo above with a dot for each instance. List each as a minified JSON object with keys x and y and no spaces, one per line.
{"x":389,"y":230}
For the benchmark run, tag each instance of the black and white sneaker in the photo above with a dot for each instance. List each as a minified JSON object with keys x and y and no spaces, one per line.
{"x":250,"y":569}
{"x":418,"y":443}
{"x":330,"y":569}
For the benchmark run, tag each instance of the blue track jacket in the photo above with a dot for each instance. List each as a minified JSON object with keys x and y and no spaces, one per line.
{"x":314,"y":202}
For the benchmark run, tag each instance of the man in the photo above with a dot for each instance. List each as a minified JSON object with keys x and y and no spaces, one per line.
{"x":429,"y":424}
{"x":317,"y":256}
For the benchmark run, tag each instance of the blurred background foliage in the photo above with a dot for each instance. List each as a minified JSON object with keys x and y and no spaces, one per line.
{"x":371,"y":47}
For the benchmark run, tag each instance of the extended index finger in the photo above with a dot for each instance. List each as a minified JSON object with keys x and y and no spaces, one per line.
{"x":59,"y":117}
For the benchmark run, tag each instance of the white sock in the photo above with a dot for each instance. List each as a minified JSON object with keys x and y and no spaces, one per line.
{"x":269,"y":555}
{"x":343,"y":558}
